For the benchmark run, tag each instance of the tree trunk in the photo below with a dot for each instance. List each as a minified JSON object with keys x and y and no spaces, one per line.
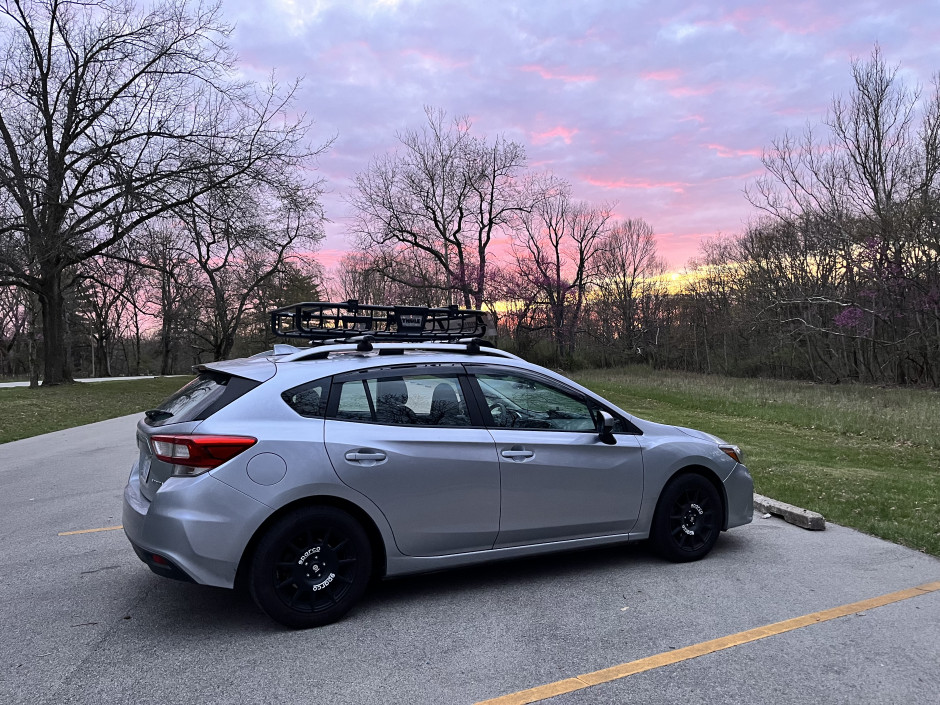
{"x":55,"y":360}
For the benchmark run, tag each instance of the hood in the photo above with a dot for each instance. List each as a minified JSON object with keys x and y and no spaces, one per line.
{"x":701,"y":435}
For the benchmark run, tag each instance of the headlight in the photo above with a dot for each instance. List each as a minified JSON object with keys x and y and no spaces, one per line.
{"x":732,"y":452}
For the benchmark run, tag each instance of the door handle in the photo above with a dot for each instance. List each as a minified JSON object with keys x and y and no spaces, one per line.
{"x":356,"y":456}
{"x":517,"y":454}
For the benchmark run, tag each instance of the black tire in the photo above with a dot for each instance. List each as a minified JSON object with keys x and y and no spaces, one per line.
{"x":687,"y":519}
{"x":311,"y":567}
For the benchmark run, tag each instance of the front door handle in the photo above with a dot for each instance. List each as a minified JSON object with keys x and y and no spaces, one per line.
{"x":517,"y":454}
{"x":357,"y":456}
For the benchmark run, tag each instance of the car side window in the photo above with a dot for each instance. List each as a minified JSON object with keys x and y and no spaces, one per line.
{"x":515,"y":401}
{"x":308,"y":399}
{"x":407,"y":400}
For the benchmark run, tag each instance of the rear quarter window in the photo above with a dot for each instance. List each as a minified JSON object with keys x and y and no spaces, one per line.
{"x":309,"y":399}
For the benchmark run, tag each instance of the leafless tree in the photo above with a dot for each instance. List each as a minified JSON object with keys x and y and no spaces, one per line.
{"x":629,"y":281}
{"x":555,"y":248}
{"x":852,"y":236}
{"x":14,"y":320}
{"x":241,"y":236}
{"x":106,"y":304}
{"x":445,"y":193}
{"x":110,"y":116}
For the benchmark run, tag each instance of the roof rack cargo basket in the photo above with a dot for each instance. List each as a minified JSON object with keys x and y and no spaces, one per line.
{"x":325,"y":321}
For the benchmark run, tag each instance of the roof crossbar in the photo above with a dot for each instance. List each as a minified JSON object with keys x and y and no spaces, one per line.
{"x":324,"y":322}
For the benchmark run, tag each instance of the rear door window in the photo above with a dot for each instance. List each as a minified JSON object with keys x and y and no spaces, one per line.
{"x":407,"y":400}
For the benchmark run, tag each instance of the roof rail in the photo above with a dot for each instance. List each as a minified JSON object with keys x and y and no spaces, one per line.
{"x":326,"y":350}
{"x":325,"y":322}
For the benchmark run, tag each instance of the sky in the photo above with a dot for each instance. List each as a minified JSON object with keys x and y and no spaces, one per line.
{"x":660,"y":107}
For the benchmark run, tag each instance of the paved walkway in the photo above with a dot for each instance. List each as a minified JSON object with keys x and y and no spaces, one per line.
{"x":90,"y":379}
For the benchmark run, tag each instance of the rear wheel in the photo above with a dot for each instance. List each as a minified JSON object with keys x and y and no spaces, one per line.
{"x":311,"y":567}
{"x":687,"y":520}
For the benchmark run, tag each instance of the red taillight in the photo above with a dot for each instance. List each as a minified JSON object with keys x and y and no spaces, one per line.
{"x":204,"y":452}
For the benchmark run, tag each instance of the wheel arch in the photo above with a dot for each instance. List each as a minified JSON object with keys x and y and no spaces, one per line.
{"x":376,"y":542}
{"x":709,"y":475}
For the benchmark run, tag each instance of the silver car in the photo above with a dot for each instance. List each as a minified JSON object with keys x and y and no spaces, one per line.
{"x":306,"y":473}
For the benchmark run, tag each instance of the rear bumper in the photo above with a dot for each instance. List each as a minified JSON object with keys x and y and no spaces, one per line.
{"x":199,"y":525}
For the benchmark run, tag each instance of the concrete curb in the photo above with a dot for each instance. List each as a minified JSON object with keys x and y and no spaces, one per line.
{"x":790,"y":514}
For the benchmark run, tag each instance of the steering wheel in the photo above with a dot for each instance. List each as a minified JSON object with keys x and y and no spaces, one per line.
{"x":500,"y":413}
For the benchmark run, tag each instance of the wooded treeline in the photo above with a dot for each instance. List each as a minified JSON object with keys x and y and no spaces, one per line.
{"x":153,"y":209}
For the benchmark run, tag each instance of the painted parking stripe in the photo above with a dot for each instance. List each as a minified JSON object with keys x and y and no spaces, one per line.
{"x":568,"y":685}
{"x":90,"y":531}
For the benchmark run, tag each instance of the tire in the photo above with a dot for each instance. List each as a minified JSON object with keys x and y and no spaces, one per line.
{"x":311,"y":567}
{"x":687,"y":519}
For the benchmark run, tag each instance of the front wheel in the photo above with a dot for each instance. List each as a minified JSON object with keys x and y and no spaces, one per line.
{"x":687,"y":520}
{"x":311,"y":567}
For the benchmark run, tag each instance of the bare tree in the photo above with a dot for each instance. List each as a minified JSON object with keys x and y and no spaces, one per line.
{"x":111,"y":116}
{"x":14,"y":320}
{"x":105,"y":304}
{"x":241,"y":237}
{"x":630,"y":273}
{"x":172,"y":288}
{"x":446,"y":193}
{"x":555,"y":248}
{"x":854,"y":209}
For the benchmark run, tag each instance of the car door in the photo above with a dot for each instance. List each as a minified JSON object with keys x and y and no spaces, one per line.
{"x":406,"y":439}
{"x":559,"y":480}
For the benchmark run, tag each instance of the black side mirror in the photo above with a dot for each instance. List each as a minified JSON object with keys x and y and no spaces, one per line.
{"x":605,"y":428}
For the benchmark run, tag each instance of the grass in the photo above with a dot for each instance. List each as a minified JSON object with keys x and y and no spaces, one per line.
{"x":863,"y":457}
{"x":28,"y":412}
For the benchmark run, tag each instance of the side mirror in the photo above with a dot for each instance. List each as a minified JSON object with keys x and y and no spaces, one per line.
{"x":605,"y":428}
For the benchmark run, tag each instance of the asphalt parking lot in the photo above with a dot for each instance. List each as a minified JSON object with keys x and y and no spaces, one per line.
{"x":83,"y":621}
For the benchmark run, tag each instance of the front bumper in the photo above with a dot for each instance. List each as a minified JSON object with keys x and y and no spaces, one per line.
{"x":739,"y":489}
{"x":200,"y":525}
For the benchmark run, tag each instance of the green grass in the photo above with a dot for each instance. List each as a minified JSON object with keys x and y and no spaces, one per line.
{"x":863,"y":457}
{"x":28,"y":412}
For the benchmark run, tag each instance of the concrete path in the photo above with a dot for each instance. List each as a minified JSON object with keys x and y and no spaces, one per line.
{"x":89,"y":379}
{"x":83,"y":621}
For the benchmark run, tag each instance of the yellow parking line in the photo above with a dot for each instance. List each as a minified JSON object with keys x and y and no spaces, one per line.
{"x":90,"y":531}
{"x":542,"y":692}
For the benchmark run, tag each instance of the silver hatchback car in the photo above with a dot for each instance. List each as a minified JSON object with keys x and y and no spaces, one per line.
{"x":305,"y":473}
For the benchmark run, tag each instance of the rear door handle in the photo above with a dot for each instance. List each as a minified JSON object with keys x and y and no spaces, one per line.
{"x":356,"y":456}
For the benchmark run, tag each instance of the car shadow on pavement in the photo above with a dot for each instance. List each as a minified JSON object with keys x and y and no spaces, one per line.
{"x":184,"y":608}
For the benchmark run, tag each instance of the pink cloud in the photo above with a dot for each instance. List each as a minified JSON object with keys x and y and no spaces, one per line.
{"x":438,"y":60}
{"x":329,"y":258}
{"x":747,"y":19}
{"x":552,"y":75}
{"x":664,"y":75}
{"x":676,"y":186}
{"x":564,"y":132}
{"x":688,"y":91}
{"x":731,"y":153}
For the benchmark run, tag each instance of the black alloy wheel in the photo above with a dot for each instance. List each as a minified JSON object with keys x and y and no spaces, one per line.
{"x":311,"y":567}
{"x":687,"y":520}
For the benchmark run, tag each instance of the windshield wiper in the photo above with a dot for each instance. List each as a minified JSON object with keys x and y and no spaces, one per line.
{"x":157,"y":414}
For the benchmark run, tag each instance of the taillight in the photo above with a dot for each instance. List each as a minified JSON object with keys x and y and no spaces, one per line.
{"x":194,"y":455}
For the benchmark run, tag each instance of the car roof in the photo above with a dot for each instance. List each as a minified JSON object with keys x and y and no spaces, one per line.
{"x":292,"y":364}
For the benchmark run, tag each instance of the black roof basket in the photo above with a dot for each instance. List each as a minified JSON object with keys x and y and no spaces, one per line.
{"x":325,"y":321}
